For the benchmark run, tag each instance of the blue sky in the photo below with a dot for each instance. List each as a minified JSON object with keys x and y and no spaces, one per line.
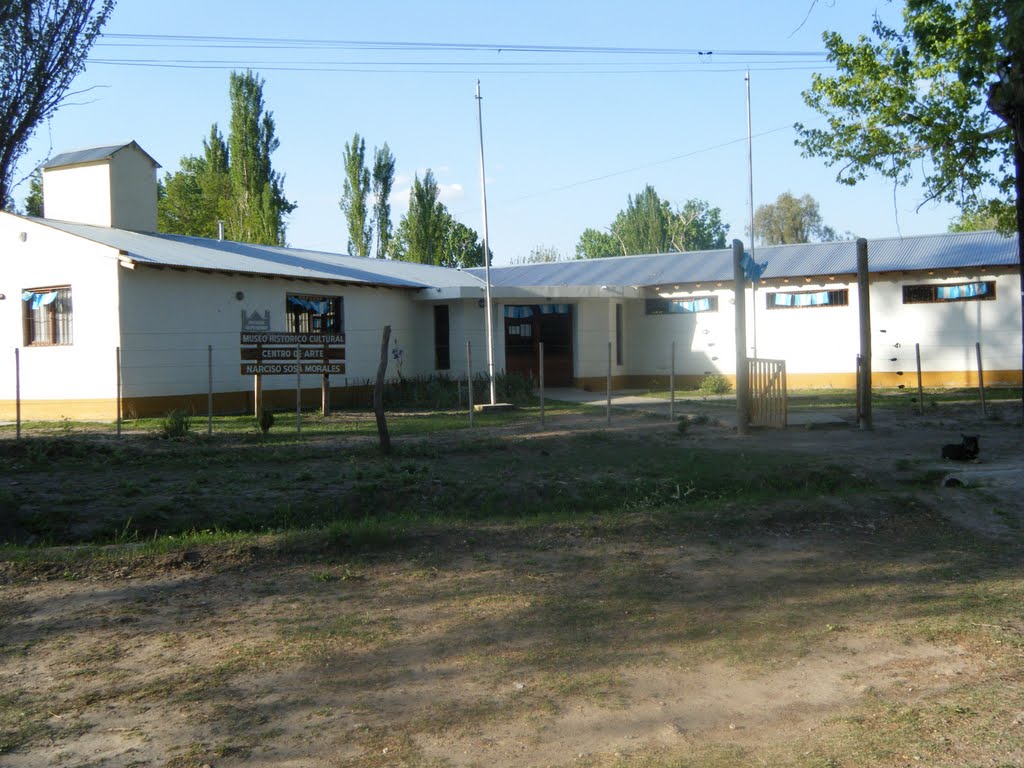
{"x":568,"y":134}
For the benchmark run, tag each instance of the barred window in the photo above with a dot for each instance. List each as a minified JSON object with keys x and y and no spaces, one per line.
{"x":47,"y":316}
{"x":935,"y":294}
{"x":315,"y":314}
{"x":798,"y":299}
{"x":681,"y":306}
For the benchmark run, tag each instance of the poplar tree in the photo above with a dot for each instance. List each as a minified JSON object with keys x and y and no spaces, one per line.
{"x":193,"y":200}
{"x":428,"y":234}
{"x":382,"y":182}
{"x":258,"y":204}
{"x":43,"y":47}
{"x":355,"y":196}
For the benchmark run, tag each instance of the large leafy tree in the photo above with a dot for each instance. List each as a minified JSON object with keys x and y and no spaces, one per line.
{"x":428,"y":234}
{"x":258,"y":204}
{"x":595,"y":244}
{"x":790,"y":219}
{"x":697,"y":226}
{"x":194,"y":199}
{"x":43,"y":47}
{"x":382,"y":180}
{"x":945,"y":92}
{"x":355,"y":195}
{"x":648,"y":224}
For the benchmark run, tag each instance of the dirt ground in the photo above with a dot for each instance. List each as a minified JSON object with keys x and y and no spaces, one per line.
{"x":520,"y":648}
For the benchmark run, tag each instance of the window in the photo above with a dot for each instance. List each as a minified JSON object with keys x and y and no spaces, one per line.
{"x":315,"y":314}
{"x":618,"y":334}
{"x":681,"y":306}
{"x":797,"y":299}
{"x":442,"y":345}
{"x":933,"y":294}
{"x":47,"y":316}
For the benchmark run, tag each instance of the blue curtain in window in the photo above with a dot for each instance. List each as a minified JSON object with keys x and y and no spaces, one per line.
{"x":968,"y":291}
{"x":316,"y":307}
{"x":37,"y":300}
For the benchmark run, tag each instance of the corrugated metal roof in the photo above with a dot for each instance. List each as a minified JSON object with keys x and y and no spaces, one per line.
{"x":944,"y":251}
{"x":227,"y":256}
{"x":92,"y":155}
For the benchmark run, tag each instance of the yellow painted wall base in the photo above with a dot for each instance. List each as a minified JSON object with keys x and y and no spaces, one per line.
{"x":224,"y":403}
{"x":798,"y":381}
{"x":361,"y":397}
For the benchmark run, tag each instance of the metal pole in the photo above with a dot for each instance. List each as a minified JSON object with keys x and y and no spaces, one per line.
{"x":469,"y":378}
{"x":750,"y":180}
{"x":540,"y":352}
{"x":298,"y":389}
{"x":920,"y":388}
{"x":487,"y":252}
{"x":608,"y":407}
{"x":17,"y":394}
{"x":981,"y":378}
{"x":672,"y":385}
{"x":118,"y":394}
{"x":742,"y":370}
{"x":864,"y":300}
{"x":209,"y":390}
{"x":257,"y":396}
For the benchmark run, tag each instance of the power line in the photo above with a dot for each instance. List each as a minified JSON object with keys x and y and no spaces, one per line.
{"x":199,"y":41}
{"x":641,"y":167}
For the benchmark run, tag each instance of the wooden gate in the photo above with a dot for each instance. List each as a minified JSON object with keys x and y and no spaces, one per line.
{"x":768,"y":393}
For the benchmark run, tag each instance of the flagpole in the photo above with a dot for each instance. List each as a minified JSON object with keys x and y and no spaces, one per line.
{"x":750,"y":179}
{"x":487,"y":253}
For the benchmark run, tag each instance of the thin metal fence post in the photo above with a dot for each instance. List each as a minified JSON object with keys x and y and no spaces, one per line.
{"x":298,"y":389}
{"x":540,"y":370}
{"x":118,"y":392}
{"x":608,"y":411}
{"x":672,"y":385}
{"x":981,"y":378}
{"x":920,"y":387}
{"x":17,"y":394}
{"x":469,"y":378}
{"x":209,"y":390}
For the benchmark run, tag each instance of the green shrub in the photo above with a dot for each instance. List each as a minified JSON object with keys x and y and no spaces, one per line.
{"x":175,"y":425}
{"x":714,"y":384}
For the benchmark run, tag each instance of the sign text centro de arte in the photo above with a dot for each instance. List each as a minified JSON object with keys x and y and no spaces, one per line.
{"x":249,"y":337}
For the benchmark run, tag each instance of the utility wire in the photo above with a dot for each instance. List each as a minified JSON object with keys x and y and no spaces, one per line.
{"x":273,"y":42}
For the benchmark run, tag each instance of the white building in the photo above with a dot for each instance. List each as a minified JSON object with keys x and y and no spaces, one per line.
{"x":92,"y":299}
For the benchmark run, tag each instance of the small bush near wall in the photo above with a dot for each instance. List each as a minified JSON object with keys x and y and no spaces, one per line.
{"x":175,"y":424}
{"x":714,"y":384}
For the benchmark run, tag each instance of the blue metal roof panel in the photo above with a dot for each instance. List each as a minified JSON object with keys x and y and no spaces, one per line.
{"x":92,"y":155}
{"x":943,"y":251}
{"x":225,"y":255}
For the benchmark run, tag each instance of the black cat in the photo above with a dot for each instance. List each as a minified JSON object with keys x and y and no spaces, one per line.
{"x":966,"y":450}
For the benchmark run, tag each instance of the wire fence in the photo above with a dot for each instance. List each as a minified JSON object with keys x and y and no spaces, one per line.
{"x":153,"y":380}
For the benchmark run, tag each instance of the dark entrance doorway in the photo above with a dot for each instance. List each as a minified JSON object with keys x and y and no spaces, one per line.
{"x":526,"y":326}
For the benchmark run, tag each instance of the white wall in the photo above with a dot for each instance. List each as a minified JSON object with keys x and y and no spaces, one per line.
{"x":132,"y":191}
{"x":946,"y":331}
{"x":819,"y":339}
{"x":118,"y":192}
{"x":79,"y":193}
{"x":85,"y":369}
{"x":171,"y":316}
{"x":705,"y":341}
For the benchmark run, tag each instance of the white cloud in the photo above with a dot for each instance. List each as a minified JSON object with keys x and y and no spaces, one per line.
{"x":448,"y":193}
